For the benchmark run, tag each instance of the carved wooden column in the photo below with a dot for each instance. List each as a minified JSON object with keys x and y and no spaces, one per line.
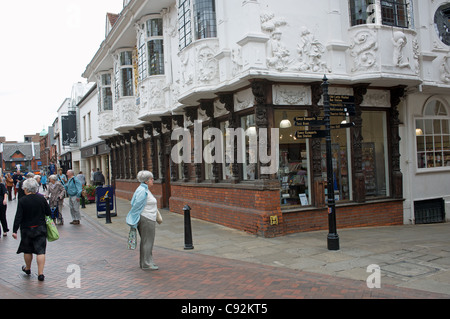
{"x":261,"y":90}
{"x":158,"y":154}
{"x":190,"y":171}
{"x":318,"y":198}
{"x":147,"y":150}
{"x":121,"y":151}
{"x":166,"y":146}
{"x":208,"y":107}
{"x":228,"y":100}
{"x":397,"y":177}
{"x":133,"y":154}
{"x":178,"y":121}
{"x":127,"y":157}
{"x":359,"y":186}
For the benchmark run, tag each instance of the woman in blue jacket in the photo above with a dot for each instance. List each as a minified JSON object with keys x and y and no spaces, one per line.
{"x":143,"y":217}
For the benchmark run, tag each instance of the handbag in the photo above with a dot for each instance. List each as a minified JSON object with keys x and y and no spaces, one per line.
{"x":52,"y":231}
{"x":132,"y":238}
{"x":159,"y":219}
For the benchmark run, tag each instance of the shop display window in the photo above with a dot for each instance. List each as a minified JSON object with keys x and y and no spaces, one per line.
{"x":293,"y":173}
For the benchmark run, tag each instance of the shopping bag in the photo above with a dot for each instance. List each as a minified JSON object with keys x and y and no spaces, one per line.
{"x":52,"y":231}
{"x":132,"y":238}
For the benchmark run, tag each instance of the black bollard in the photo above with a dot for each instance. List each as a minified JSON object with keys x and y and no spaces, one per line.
{"x":108,"y":210}
{"x":83,"y":203}
{"x":187,"y":228}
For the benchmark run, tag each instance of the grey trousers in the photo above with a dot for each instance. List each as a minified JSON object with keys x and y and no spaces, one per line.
{"x":74,"y":208}
{"x":146,"y":228}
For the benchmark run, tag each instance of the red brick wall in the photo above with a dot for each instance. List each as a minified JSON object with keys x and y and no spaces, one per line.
{"x":250,"y":210}
{"x":385,"y":213}
{"x":243,"y":209}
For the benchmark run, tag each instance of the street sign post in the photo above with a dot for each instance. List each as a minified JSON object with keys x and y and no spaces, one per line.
{"x":333,"y":237}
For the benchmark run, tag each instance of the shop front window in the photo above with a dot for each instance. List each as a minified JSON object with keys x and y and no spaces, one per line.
{"x":375,"y":154}
{"x":340,"y":151}
{"x":293,"y":173}
{"x":433,"y":137}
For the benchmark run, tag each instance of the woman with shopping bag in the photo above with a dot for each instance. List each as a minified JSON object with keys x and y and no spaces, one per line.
{"x":143,"y":216}
{"x":32,"y":210}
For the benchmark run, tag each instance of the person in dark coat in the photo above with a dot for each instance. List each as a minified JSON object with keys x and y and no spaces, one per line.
{"x":30,"y":218}
{"x":3,"y":206}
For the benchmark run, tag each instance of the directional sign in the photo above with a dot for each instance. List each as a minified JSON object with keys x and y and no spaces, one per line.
{"x":342,"y":111}
{"x":341,"y":100}
{"x":309,"y":121}
{"x":310,"y":134}
{"x":339,"y":126}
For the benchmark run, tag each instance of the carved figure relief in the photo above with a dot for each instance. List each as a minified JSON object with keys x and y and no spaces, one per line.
{"x":310,"y":52}
{"x":279,"y":56}
{"x":445,"y":69}
{"x":399,"y":40}
{"x":363,"y":50}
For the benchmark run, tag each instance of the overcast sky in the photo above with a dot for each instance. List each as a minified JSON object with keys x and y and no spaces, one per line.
{"x":45,"y":47}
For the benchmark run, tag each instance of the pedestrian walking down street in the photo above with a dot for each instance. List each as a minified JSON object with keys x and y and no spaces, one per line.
{"x":30,"y":218}
{"x":55,"y":194}
{"x":44,"y":182}
{"x":143,"y":217}
{"x":3,"y":206}
{"x":20,"y":191}
{"x":9,"y":185}
{"x":74,"y":190}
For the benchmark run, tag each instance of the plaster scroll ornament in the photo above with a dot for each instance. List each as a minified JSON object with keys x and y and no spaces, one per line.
{"x":399,"y":40}
{"x":207,"y":64}
{"x":363,"y":50}
{"x":445,"y":69}
{"x":236,"y":58}
{"x":310,"y":52}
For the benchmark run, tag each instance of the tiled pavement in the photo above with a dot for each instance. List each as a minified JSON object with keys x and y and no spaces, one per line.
{"x":109,"y":271}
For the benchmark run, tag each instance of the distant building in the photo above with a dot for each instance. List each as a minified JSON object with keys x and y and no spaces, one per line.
{"x":25,"y":157}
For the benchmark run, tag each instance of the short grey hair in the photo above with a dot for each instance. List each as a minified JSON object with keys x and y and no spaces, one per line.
{"x":53,"y":177}
{"x":31,"y":185}
{"x":144,"y":176}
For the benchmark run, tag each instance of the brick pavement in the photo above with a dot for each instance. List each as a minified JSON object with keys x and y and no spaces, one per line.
{"x":110,"y":271}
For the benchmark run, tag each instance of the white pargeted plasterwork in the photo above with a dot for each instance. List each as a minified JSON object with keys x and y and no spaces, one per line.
{"x":105,"y":123}
{"x":291,"y":95}
{"x":363,"y":50}
{"x":152,"y":95}
{"x":125,"y":112}
{"x":198,"y":65}
{"x":309,"y":55}
{"x":243,"y":100}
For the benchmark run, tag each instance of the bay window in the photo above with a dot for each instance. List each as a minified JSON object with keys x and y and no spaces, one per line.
{"x":105,"y":93}
{"x":123,"y":72}
{"x":203,"y":15}
{"x":151,"y":48}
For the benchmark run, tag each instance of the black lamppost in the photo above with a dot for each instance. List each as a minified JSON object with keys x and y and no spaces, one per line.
{"x":333,"y":237}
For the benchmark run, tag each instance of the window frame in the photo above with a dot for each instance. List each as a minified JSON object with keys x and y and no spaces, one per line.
{"x":195,"y":22}
{"x":379,"y":15}
{"x":424,"y":134}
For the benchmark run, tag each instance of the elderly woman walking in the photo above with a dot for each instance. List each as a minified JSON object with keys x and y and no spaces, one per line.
{"x":3,"y":206}
{"x":30,"y":218}
{"x":143,"y":217}
{"x":55,"y":194}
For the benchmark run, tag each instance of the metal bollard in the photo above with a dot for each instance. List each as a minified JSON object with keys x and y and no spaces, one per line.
{"x":187,"y":228}
{"x":108,"y":210}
